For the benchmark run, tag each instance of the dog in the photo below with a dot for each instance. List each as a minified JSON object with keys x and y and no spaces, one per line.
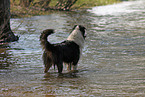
{"x":68,"y":51}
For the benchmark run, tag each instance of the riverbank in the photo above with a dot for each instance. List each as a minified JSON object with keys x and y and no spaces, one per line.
{"x":19,"y":11}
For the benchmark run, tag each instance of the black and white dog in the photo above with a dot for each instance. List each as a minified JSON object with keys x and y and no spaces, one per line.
{"x":68,"y":51}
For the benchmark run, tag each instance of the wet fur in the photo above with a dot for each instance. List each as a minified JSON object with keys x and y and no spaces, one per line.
{"x":68,"y":51}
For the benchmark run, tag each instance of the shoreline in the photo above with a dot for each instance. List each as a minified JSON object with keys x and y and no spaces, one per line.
{"x":18,"y":11}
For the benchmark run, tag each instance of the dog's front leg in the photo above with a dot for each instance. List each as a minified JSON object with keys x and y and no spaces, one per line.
{"x":69,"y":66}
{"x":60,"y":67}
{"x":74,"y":67}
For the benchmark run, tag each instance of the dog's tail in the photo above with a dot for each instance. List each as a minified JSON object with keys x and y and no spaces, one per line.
{"x":43,"y":38}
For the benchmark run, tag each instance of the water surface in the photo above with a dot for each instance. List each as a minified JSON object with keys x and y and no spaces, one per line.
{"x":112,"y":64}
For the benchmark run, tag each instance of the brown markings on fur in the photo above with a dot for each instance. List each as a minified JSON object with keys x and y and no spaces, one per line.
{"x":47,"y":67}
{"x":48,"y":59}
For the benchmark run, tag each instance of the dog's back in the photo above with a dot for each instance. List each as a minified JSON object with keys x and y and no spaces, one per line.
{"x":70,"y":52}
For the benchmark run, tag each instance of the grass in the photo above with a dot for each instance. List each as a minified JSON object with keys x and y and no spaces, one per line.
{"x":92,"y":3}
{"x":18,"y":11}
{"x":88,"y":3}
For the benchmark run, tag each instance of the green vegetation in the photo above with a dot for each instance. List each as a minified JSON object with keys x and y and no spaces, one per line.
{"x":19,"y":11}
{"x":91,"y":3}
{"x":88,"y":3}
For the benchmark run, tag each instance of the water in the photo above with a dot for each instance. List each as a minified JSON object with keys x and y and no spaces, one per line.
{"x":113,"y":57}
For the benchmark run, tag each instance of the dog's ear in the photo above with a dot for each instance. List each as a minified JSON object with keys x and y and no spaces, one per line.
{"x":73,"y":28}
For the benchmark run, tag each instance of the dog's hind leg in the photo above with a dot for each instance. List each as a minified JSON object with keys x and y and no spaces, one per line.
{"x":47,"y":67}
{"x":75,"y":65}
{"x":47,"y":62}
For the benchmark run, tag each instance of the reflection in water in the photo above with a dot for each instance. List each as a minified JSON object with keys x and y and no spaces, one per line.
{"x":112,"y":63}
{"x":4,"y":57}
{"x":67,"y":84}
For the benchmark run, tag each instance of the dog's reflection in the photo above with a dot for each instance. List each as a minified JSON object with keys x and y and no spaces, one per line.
{"x":70,"y":74}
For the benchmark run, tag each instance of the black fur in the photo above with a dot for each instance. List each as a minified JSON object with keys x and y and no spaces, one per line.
{"x":55,"y":54}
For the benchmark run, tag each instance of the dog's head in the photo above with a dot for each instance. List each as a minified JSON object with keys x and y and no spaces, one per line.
{"x":82,"y":29}
{"x":78,"y":35}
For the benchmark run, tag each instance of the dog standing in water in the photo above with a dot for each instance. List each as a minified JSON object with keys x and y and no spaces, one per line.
{"x":68,"y":51}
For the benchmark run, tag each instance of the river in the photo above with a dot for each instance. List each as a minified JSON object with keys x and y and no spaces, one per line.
{"x":112,"y":64}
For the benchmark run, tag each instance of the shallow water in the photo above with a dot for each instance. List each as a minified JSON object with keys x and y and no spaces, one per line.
{"x":112,"y":64}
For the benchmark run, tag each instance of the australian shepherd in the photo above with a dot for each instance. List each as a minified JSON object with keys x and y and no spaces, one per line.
{"x":68,"y":51}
